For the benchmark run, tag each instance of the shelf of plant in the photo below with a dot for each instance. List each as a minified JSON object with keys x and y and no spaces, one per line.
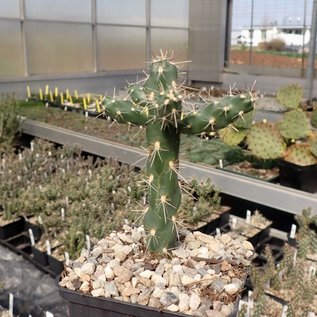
{"x":272,"y":195}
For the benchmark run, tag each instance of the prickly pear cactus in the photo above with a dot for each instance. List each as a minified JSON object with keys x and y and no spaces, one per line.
{"x":265,"y":141}
{"x":231,"y":135}
{"x":294,"y":125}
{"x":157,"y":105}
{"x":300,"y":154}
{"x":290,"y":96}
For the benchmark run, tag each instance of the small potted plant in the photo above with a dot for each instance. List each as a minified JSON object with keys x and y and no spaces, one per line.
{"x":292,"y":140}
{"x":138,"y":265}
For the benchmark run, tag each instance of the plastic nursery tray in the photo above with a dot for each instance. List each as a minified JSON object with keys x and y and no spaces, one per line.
{"x":80,"y":304}
{"x":298,"y":177}
{"x":15,"y":236}
{"x":212,"y":225}
{"x":257,"y":240}
{"x":17,"y":227}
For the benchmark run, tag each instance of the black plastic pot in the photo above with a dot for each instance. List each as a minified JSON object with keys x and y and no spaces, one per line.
{"x":211,"y":226}
{"x":17,"y":227}
{"x":55,"y":266}
{"x":298,"y":177}
{"x":80,"y":304}
{"x":40,"y":257}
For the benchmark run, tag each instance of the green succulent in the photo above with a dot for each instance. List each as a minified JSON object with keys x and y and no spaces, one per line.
{"x":156,"y":104}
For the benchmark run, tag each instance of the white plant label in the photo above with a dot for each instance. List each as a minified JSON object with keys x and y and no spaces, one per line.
{"x":248,"y":217}
{"x":250,"y":299}
{"x":311,"y":314}
{"x":48,"y":247}
{"x":312,"y":272}
{"x":293,"y":231}
{"x":20,"y":157}
{"x":63,"y":214}
{"x":66,"y":254}
{"x":49,"y":153}
{"x":88,"y":243}
{"x":11,"y":299}
{"x":65,"y":108}
{"x":32,"y":146}
{"x":49,"y":314}
{"x":220,"y":163}
{"x":284,"y":311}
{"x":86,"y":114}
{"x":234,"y":222}
{"x":90,"y":174}
{"x":129,"y":189}
{"x":218,"y":233}
{"x":40,"y":220}
{"x":66,"y":200}
{"x":31,"y":237}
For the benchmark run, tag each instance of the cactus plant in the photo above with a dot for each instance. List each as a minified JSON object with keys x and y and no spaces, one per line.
{"x":157,"y":105}
{"x":290,"y":96}
{"x":292,"y":138}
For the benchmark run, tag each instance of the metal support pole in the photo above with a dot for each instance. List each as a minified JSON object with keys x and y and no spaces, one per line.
{"x":148,"y":31}
{"x":312,"y":53}
{"x":304,"y":31}
{"x":23,"y":37}
{"x":94,"y":35}
{"x":251,"y":33}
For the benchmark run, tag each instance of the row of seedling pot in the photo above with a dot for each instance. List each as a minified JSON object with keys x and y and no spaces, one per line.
{"x":49,"y":186}
{"x":89,"y":104}
{"x":284,"y":283}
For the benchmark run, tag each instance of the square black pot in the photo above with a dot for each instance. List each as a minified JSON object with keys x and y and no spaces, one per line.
{"x":80,"y":304}
{"x":298,"y":177}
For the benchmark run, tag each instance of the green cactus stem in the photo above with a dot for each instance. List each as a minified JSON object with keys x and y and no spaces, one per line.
{"x":157,"y":105}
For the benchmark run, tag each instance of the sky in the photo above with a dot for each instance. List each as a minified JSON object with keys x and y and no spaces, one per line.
{"x":270,"y":11}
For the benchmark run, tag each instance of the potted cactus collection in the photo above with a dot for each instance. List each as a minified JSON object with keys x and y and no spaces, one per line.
{"x":288,"y":286}
{"x":292,"y":140}
{"x":153,"y":267}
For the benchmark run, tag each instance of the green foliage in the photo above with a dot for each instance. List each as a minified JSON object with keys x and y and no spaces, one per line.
{"x":157,"y":105}
{"x":199,"y":202}
{"x":9,"y":122}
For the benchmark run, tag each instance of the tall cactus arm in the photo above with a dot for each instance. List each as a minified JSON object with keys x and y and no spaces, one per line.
{"x":164,"y":191}
{"x":216,"y":115}
{"x":125,"y":111}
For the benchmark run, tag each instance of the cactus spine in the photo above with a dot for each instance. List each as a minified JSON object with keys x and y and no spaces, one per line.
{"x":157,"y":105}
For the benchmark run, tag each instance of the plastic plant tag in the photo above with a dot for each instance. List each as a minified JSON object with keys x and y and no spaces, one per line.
{"x":86,"y":114}
{"x":220,"y":163}
{"x":234,"y":222}
{"x":32,"y":146}
{"x":31,"y":237}
{"x":48,"y":314}
{"x":66,"y":200}
{"x":20,"y":156}
{"x":28,"y":91}
{"x":312,"y":272}
{"x":248,"y":217}
{"x":293,"y":231}
{"x":218,"y":233}
{"x":66,"y":254}
{"x":311,"y":314}
{"x":250,"y":299}
{"x":40,"y":220}
{"x":284,"y":311}
{"x":48,"y":247}
{"x":88,"y":243}
{"x":65,"y":108}
{"x":11,"y":299}
{"x":63,"y":214}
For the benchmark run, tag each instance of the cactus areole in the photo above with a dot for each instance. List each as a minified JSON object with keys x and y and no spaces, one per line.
{"x":156,"y":104}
